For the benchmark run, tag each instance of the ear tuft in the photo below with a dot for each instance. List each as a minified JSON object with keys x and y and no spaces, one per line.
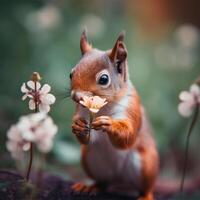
{"x":122,"y":52}
{"x":121,"y":36}
{"x":119,"y":50}
{"x":84,"y":45}
{"x":84,"y":34}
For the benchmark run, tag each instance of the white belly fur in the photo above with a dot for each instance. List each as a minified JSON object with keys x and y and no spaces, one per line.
{"x":108,"y":164}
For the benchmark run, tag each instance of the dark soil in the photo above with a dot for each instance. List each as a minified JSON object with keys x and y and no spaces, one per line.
{"x":14,"y":187}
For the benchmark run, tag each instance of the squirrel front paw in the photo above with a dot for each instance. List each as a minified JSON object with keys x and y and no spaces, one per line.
{"x":102,"y":123}
{"x":80,"y":126}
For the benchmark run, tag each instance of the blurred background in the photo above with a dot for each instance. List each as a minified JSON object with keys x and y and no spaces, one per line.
{"x":163,"y":42}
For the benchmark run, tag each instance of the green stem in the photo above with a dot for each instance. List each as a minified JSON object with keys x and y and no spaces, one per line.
{"x":90,"y":126}
{"x":31,"y":147}
{"x":191,"y":127}
{"x":30,"y":163}
{"x":92,"y":115}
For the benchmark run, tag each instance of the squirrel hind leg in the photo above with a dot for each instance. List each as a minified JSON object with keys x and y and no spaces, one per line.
{"x":148,"y":196}
{"x":82,"y":188}
{"x":149,"y":171}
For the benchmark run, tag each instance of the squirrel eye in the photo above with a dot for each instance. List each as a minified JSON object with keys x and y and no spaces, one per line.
{"x":104,"y":79}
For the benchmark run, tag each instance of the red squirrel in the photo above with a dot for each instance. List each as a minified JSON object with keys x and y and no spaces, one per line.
{"x":121,"y":147}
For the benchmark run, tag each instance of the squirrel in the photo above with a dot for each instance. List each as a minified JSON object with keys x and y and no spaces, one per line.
{"x":122,"y":148}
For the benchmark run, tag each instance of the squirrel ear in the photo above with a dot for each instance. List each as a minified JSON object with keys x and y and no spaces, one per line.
{"x":119,"y":51}
{"x":84,"y":45}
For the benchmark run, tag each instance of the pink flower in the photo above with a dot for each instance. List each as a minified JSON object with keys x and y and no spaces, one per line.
{"x":189,"y":100}
{"x":38,"y":95}
{"x":37,"y":128}
{"x":93,"y":103}
{"x":16,"y":144}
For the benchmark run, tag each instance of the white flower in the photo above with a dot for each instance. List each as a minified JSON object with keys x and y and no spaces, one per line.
{"x":189,"y":100}
{"x":38,"y":95}
{"x":16,"y":144}
{"x":37,"y":128}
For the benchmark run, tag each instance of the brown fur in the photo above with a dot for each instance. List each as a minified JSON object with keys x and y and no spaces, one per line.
{"x":124,"y":133}
{"x":84,"y":45}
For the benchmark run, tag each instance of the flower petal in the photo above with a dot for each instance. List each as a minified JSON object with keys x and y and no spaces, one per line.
{"x":31,"y":104}
{"x":24,"y":124}
{"x":94,"y":110}
{"x":28,"y":135}
{"x":26,"y":146}
{"x":44,"y":108}
{"x":86,"y":101}
{"x":86,"y":98}
{"x":51,"y":98}
{"x":186,"y":96}
{"x":23,"y":88}
{"x":31,"y":84}
{"x":45,"y":89}
{"x":98,"y":100}
{"x":45,"y":146}
{"x":48,"y":99}
{"x":14,"y":134}
{"x":24,"y":97}
{"x":185,"y":109}
{"x":83,"y":103}
{"x":195,"y":90}
{"x":10,"y":146}
{"x":37,"y":117}
{"x":93,"y":103}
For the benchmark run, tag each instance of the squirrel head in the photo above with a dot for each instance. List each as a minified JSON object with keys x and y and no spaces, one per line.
{"x":101,"y":73}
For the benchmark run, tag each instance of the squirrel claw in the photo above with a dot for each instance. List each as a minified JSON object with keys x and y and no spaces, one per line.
{"x":102,"y":122}
{"x":81,"y":188}
{"x":79,"y":126}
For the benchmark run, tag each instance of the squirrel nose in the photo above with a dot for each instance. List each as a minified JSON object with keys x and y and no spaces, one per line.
{"x":78,"y":95}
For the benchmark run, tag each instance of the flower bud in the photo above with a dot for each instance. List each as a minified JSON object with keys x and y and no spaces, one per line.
{"x":35,"y":77}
